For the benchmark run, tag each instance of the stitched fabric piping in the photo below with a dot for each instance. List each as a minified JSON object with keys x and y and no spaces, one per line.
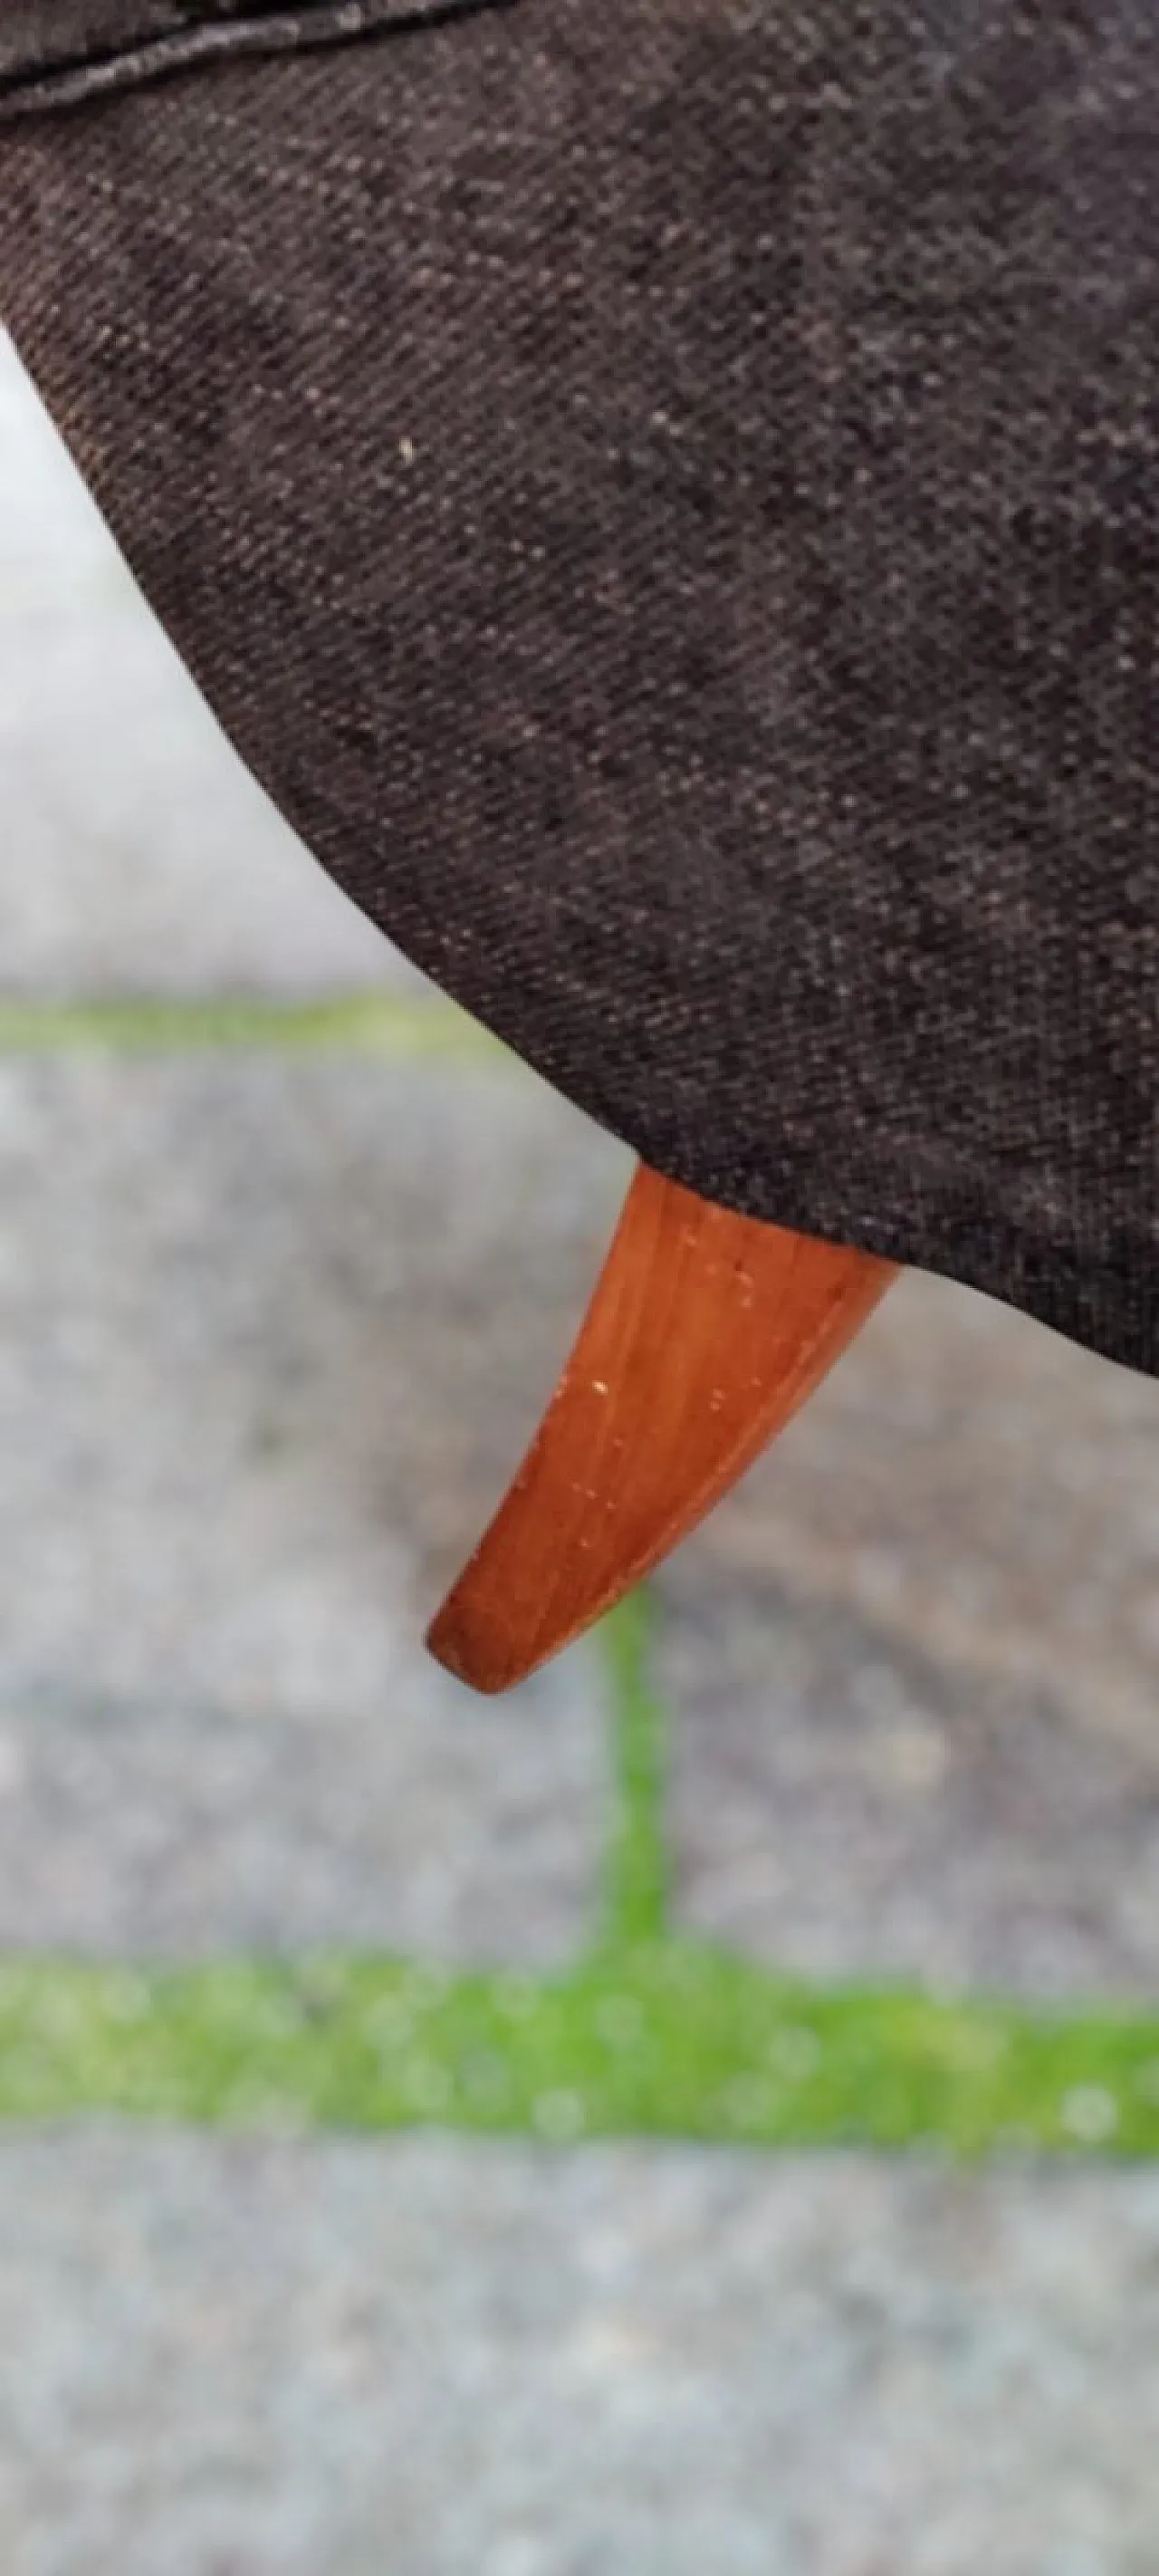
{"x":63,"y":53}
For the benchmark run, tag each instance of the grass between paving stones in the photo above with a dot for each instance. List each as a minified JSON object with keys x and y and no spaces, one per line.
{"x":388,"y":1024}
{"x":649,"y":2035}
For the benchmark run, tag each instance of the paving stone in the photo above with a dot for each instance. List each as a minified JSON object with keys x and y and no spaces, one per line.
{"x":442,"y":2359}
{"x":915,"y":1663}
{"x":137,"y":853}
{"x":273,"y":1333}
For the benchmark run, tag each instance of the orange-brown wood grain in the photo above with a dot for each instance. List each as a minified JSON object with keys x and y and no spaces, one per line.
{"x":705,"y":1333}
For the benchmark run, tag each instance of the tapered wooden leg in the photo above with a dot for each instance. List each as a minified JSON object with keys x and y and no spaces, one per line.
{"x":705,"y":1333}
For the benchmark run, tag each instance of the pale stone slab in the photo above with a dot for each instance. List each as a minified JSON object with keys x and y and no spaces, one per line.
{"x":915,"y":1667}
{"x":437,"y":2358}
{"x":273,"y":1333}
{"x":137,"y":854}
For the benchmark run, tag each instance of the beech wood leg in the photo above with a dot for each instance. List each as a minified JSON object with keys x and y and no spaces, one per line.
{"x":705,"y":1333}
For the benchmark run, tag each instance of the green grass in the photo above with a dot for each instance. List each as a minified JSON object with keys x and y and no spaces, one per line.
{"x":636,"y":1855}
{"x":381,"y":1024}
{"x":674,"y":2041}
{"x":649,"y":2035}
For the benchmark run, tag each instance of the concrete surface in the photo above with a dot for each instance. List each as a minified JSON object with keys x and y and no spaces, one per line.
{"x":428,"y":2358}
{"x":273,"y":1334}
{"x":138,"y":853}
{"x":915,"y":1667}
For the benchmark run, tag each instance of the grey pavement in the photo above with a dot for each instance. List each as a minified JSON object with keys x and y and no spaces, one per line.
{"x":915,"y":1665}
{"x":137,"y":855}
{"x":427,"y":2358}
{"x":274,"y":1331}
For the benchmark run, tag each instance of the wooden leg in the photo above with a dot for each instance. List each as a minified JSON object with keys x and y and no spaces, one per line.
{"x":705,"y":1333}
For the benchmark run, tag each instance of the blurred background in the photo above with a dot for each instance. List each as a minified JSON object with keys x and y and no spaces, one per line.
{"x":534,"y":2268}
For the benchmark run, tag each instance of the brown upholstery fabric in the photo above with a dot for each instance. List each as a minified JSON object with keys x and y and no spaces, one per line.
{"x":667,"y":497}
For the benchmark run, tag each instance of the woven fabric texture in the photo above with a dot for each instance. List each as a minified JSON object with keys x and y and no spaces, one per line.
{"x":667,"y":498}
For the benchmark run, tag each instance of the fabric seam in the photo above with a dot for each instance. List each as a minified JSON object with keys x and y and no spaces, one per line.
{"x":98,"y":69}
